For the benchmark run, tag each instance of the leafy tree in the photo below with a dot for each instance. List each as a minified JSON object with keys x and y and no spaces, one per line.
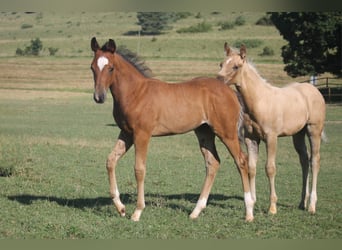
{"x":36,"y":47}
{"x":153,"y":23}
{"x":33,"y":49}
{"x":314,"y":41}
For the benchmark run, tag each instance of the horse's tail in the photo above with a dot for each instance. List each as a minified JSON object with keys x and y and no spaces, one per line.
{"x":241,"y":128}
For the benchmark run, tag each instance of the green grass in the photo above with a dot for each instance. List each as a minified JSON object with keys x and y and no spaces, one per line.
{"x":71,"y":33}
{"x":54,"y":140}
{"x":59,"y":188}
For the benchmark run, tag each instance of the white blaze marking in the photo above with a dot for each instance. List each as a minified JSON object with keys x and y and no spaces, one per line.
{"x":101,"y":62}
{"x":228,"y":60}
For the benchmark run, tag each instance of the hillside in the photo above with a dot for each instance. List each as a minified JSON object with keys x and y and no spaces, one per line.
{"x":172,"y":56}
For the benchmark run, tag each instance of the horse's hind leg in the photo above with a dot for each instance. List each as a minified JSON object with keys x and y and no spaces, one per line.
{"x":299,"y":144}
{"x":271,"y":147}
{"x":206,"y":139}
{"x":121,"y":147}
{"x":314,"y":133}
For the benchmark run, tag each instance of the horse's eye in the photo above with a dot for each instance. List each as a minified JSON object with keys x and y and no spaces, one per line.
{"x":235,"y":67}
{"x":110,"y":69}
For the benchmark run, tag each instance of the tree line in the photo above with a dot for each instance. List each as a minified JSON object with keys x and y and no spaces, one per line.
{"x":313,"y":38}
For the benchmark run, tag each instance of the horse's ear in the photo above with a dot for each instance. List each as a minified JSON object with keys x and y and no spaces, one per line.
{"x":226,"y":48}
{"x":111,"y":46}
{"x":94,"y":45}
{"x":243,"y":52}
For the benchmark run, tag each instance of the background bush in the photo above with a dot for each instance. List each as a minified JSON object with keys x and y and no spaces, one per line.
{"x":265,"y":20}
{"x":226,"y":25}
{"x":33,"y":49}
{"x":200,"y":27}
{"x":267,"y":51}
{"x":52,"y":51}
{"x":240,"y":20}
{"x":26,"y":26}
{"x":250,"y":43}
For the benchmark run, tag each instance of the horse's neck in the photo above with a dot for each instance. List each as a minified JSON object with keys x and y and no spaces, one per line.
{"x":127,"y":83}
{"x":252,"y":87}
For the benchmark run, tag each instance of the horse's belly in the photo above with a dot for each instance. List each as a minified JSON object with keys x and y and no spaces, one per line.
{"x":293,"y":126}
{"x":164,"y":130}
{"x":176,"y":126}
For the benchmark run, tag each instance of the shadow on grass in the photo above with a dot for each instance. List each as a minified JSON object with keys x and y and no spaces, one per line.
{"x":83,"y":203}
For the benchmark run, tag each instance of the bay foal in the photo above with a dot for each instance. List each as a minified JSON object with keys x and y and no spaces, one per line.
{"x":144,"y":107}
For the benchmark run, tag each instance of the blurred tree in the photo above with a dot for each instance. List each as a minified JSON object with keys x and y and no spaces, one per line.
{"x":153,"y":23}
{"x":314,"y":42}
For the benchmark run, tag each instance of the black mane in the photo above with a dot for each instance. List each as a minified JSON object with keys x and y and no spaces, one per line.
{"x":132,"y":58}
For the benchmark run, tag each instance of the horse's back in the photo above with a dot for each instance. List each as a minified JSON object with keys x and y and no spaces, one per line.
{"x":314,"y":100}
{"x":181,"y":107}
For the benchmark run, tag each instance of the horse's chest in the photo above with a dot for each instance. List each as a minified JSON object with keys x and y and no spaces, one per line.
{"x":121,"y":119}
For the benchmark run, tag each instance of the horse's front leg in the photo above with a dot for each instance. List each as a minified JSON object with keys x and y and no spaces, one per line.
{"x":141,"y":141}
{"x":253,"y":152}
{"x":121,"y":147}
{"x":271,"y":147}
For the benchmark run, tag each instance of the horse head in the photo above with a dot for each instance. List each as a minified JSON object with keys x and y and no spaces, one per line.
{"x":102,"y":67}
{"x":232,"y":63}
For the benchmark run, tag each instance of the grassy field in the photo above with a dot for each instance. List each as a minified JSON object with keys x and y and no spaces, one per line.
{"x":54,"y":141}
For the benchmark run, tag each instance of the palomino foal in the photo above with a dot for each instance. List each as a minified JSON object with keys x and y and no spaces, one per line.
{"x":145,"y":107}
{"x":296,"y":109}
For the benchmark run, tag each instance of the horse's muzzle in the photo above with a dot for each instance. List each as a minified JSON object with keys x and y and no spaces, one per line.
{"x":220,"y":78}
{"x":99,"y":98}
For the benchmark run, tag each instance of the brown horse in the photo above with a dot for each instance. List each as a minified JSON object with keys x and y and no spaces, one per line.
{"x":145,"y":107}
{"x":296,"y":109}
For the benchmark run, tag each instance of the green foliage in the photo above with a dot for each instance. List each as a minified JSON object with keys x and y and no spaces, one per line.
{"x":52,"y":51}
{"x":240,"y":20}
{"x":5,"y":170}
{"x":31,"y":50}
{"x":267,"y":51}
{"x":181,"y":15}
{"x":226,"y":25}
{"x":314,"y":42}
{"x":198,"y":15}
{"x":264,"y":21}
{"x":198,"y":28}
{"x":154,"y":23}
{"x":250,"y":43}
{"x":26,"y":26}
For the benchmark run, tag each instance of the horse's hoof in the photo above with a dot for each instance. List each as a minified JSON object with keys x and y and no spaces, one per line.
{"x":136,"y":215}
{"x":249,"y":218}
{"x":312,"y":210}
{"x":193,"y":217}
{"x":122,"y":211}
{"x":273,"y":210}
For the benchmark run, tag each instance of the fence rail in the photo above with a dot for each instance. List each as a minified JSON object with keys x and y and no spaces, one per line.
{"x":330,"y":87}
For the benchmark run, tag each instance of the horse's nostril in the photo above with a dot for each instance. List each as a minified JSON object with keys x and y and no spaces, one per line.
{"x":99,"y":98}
{"x":219,"y":78}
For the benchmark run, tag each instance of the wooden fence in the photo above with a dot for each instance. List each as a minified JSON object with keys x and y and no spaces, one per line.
{"x":330,"y":87}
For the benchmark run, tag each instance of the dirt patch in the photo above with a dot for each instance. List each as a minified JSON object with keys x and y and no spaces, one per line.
{"x":15,"y":94}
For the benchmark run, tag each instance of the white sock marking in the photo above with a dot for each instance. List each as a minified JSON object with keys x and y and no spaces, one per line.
{"x":202,"y":203}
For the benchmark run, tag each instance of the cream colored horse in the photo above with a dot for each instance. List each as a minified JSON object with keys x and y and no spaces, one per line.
{"x":294,"y":110}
